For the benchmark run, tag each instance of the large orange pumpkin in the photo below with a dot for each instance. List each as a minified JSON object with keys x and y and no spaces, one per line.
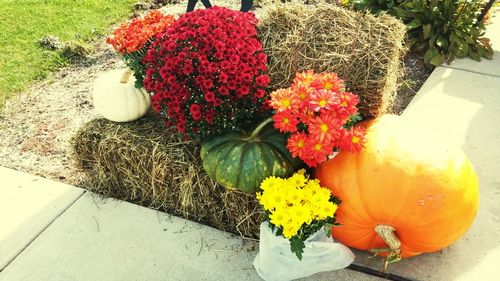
{"x":406,"y":182}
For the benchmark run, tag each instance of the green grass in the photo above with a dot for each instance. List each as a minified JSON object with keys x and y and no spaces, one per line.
{"x":24,"y":22}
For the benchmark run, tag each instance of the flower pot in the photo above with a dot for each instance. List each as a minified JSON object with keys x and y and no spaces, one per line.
{"x":117,"y":99}
{"x":275,"y":261}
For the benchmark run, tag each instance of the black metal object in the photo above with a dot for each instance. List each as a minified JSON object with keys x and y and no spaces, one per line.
{"x":373,"y":272}
{"x":485,"y":11}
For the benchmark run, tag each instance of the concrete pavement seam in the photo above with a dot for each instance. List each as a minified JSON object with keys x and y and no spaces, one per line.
{"x":42,"y":230}
{"x":471,"y":71}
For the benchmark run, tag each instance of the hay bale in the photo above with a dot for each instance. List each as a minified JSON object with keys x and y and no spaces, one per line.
{"x":152,"y":165}
{"x":366,"y":51}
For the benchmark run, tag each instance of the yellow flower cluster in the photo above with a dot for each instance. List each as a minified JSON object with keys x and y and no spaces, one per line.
{"x":295,"y":201}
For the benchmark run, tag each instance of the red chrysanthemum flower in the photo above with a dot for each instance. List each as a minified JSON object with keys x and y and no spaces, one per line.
{"x":194,"y":109}
{"x":262,"y":80}
{"x":214,"y":59}
{"x":209,"y":97}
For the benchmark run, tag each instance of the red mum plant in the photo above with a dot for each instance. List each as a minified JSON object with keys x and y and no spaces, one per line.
{"x":319,"y":114}
{"x":207,"y":72}
{"x":132,"y":40}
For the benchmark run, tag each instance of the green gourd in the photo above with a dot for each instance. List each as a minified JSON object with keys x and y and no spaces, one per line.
{"x":242,"y":161}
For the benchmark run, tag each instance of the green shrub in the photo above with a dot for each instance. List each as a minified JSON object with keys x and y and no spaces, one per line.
{"x":376,"y":6}
{"x":439,"y":30}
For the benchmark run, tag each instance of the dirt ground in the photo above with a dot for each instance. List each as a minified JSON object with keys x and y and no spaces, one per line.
{"x":36,"y":126}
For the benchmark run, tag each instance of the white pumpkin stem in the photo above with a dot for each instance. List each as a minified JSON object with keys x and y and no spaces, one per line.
{"x":386,"y":232}
{"x":126,"y":76}
{"x":260,"y":127}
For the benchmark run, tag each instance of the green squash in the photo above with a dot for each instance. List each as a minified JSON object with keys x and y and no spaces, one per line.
{"x":242,"y":162}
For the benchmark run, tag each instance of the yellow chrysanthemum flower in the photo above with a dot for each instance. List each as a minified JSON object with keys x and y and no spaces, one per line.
{"x":295,"y":201}
{"x":279,"y":217}
{"x":313,"y":185}
{"x":297,"y":180}
{"x":290,"y":229}
{"x":327,"y":210}
{"x":294,"y":196}
{"x":301,"y":214}
{"x":271,"y":183}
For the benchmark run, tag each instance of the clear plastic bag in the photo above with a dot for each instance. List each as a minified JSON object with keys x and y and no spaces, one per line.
{"x":276,"y":262}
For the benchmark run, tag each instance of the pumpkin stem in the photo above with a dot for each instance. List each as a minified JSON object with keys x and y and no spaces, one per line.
{"x":126,"y":76}
{"x":386,"y":232}
{"x":260,"y":127}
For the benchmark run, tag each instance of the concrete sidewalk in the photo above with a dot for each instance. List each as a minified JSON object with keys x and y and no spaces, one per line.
{"x":107,"y":239}
{"x":28,"y":205}
{"x":51,"y":231}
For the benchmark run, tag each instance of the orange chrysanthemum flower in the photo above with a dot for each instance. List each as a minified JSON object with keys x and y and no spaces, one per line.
{"x":318,"y":106}
{"x":322,"y":100}
{"x":352,"y":140}
{"x":285,"y":100}
{"x":285,"y":121}
{"x":348,"y":103}
{"x":306,"y":115}
{"x":325,"y":127}
{"x":132,"y":36}
{"x":297,"y":144}
{"x":328,"y":81}
{"x":302,"y":92}
{"x":317,"y":151}
{"x":304,"y":78}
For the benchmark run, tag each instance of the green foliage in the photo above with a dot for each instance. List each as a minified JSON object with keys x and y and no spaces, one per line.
{"x":439,"y":30}
{"x":297,"y":246}
{"x":133,"y":61}
{"x":24,"y":23}
{"x":297,"y":241}
{"x":353,"y":120}
{"x":376,"y":6}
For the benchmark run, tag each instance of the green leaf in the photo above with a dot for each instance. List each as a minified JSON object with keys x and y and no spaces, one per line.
{"x":413,"y":24}
{"x":475,"y":55}
{"x":437,"y":59}
{"x":429,"y":54}
{"x":353,"y":120}
{"x":475,"y":32}
{"x":328,"y":229}
{"x":297,"y":246}
{"x":409,"y":4}
{"x":427,"y":30}
{"x":420,"y":46}
{"x":464,"y":46}
{"x":442,"y":43}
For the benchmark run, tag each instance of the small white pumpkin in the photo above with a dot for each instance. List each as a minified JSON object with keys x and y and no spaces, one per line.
{"x":117,"y":99}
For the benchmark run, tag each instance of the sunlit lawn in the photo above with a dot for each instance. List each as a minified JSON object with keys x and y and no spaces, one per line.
{"x":24,"y":22}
